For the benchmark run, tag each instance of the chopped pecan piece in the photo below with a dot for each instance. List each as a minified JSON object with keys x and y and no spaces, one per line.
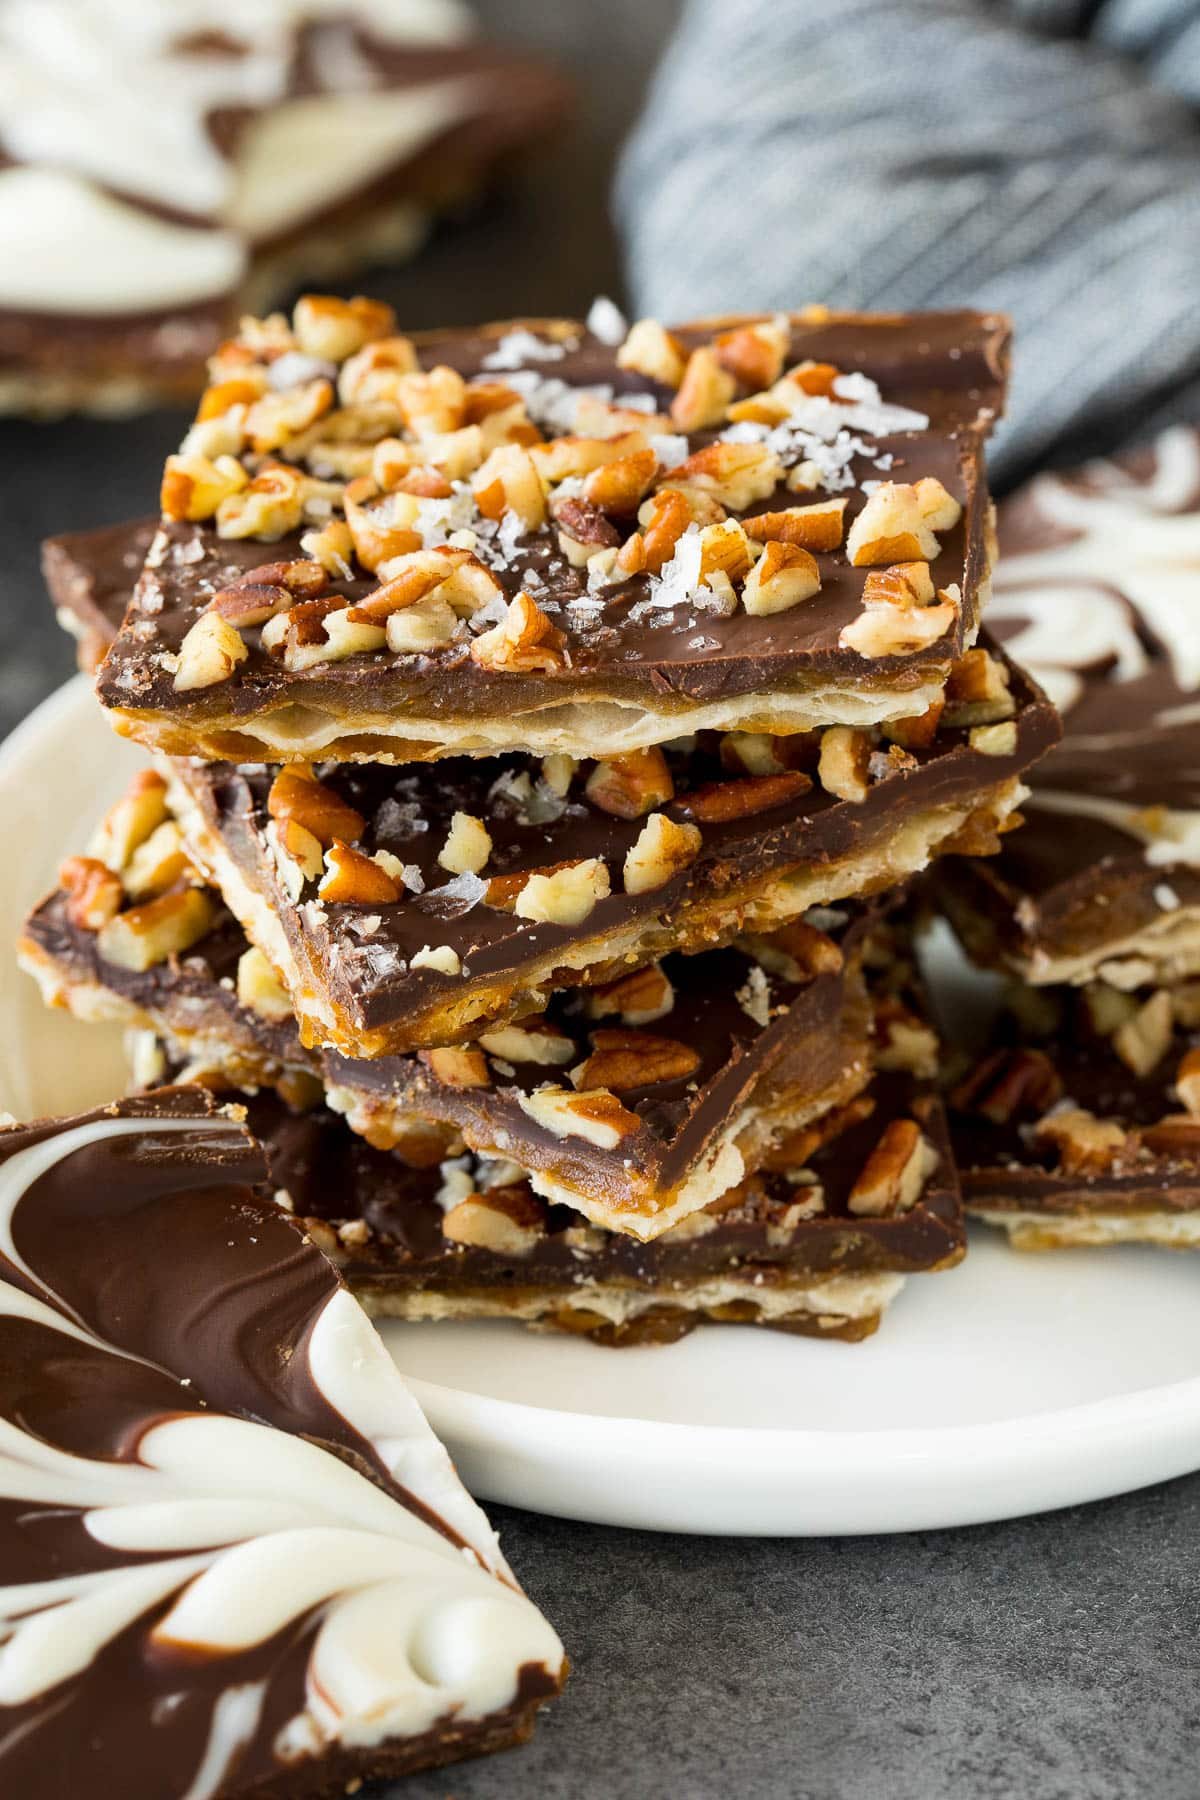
{"x":509,"y":482}
{"x":904,"y":585}
{"x":668,"y":516}
{"x":458,"y":1066}
{"x":918,"y":732}
{"x":978,"y":691}
{"x":156,"y":864}
{"x":94,"y":893}
{"x":797,"y":951}
{"x":1086,"y":1145}
{"x":1010,"y":1085}
{"x":141,"y":809}
{"x":332,"y":329}
{"x":524,"y":641}
{"x":651,"y":350}
{"x":566,"y":897}
{"x":268,"y":507}
{"x":897,"y":630}
{"x":844,"y":763}
{"x":753,"y":354}
{"x":533,"y":1041}
{"x":631,"y":786}
{"x":1176,"y":1137}
{"x":261,"y":593}
{"x":902,"y":1040}
{"x":1187,"y":1080}
{"x":618,"y":487}
{"x":467,"y":847}
{"x":193,"y":487}
{"x":443,"y":959}
{"x":146,"y":935}
{"x":819,"y":527}
{"x":502,"y":890}
{"x":717,"y":802}
{"x":276,"y":419}
{"x":297,"y":796}
{"x":734,"y":475}
{"x":994,"y":740}
{"x":260,"y":989}
{"x":704,"y":392}
{"x":623,"y":1060}
{"x":783,"y":576}
{"x":506,"y":1221}
{"x":639,"y":998}
{"x":1143,"y":1040}
{"x":374,"y":373}
{"x":597,"y":1117}
{"x":662,"y":851}
{"x":211,"y":650}
{"x":897,"y":524}
{"x":355,"y":879}
{"x":582,"y":530}
{"x":894,"y":1175}
{"x":381,"y":526}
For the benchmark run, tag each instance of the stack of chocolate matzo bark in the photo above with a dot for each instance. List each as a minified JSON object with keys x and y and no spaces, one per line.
{"x":1079,"y":1121}
{"x":546,"y":716}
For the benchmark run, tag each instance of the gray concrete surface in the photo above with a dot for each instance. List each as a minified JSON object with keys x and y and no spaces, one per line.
{"x":1049,"y":1659}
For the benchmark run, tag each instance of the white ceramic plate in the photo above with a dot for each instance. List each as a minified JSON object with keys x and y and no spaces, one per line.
{"x":1007,"y":1386}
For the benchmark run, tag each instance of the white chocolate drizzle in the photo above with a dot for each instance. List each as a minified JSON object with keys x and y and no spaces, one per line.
{"x":1133,"y":557}
{"x":242,"y":1530}
{"x":106,"y":111}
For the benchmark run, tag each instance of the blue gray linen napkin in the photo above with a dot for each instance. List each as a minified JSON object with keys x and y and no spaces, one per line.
{"x":1040,"y":156}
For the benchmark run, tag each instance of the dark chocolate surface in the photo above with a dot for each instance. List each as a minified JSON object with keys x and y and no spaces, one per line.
{"x":164,"y":1289}
{"x":89,"y":576}
{"x":368,"y":973}
{"x":948,"y":366}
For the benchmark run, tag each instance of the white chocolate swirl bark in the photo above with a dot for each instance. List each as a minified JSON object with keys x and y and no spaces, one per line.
{"x":1096,"y":593}
{"x":232,"y":1554}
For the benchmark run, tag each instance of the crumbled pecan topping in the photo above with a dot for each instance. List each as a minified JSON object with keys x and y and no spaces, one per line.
{"x":622,"y":1060}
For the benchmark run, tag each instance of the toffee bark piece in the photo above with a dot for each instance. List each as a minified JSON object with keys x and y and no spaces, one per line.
{"x":529,"y":542}
{"x":455,"y":952}
{"x":639,"y":1125}
{"x":472,"y":1240}
{"x":89,"y":576}
{"x":235,"y":1559}
{"x":202,"y":173}
{"x":639,"y":1103}
{"x":1079,"y":1123}
{"x":1096,"y":595}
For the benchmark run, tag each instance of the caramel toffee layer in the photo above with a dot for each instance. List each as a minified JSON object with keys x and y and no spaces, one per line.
{"x":685,"y":1073}
{"x":1096,"y":595}
{"x":366,"y":977}
{"x":226,"y":1531}
{"x":473,"y":106}
{"x":1086,"y":1108}
{"x":794,"y":1247}
{"x":611,"y":658}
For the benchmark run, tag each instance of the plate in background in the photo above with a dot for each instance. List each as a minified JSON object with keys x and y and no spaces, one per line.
{"x":1006,"y":1386}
